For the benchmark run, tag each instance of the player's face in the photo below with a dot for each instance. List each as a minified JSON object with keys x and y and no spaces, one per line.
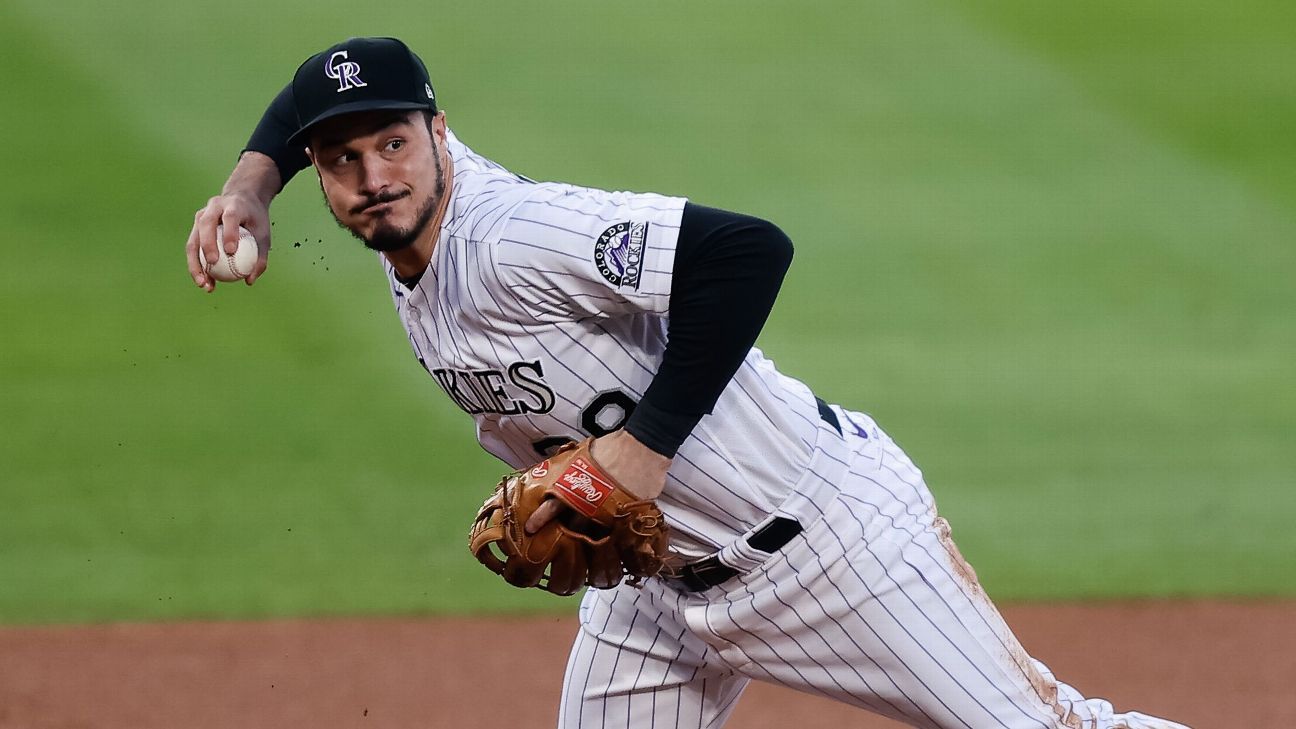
{"x":381,"y":173}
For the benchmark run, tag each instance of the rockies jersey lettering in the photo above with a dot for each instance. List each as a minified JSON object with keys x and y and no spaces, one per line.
{"x":495,"y":391}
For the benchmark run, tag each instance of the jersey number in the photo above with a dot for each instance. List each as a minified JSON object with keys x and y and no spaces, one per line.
{"x":606,"y":412}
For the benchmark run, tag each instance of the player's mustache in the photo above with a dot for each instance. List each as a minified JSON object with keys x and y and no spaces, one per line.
{"x":378,"y":199}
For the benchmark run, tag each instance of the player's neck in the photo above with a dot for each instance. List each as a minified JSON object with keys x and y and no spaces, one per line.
{"x":412,"y":260}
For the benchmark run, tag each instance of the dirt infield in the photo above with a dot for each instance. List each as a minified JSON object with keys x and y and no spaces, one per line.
{"x":1208,"y":664}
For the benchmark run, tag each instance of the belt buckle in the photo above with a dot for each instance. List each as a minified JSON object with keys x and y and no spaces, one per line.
{"x":708,"y":573}
{"x":698,"y":576}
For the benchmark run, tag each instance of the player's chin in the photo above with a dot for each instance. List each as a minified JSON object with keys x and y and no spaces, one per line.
{"x":386,"y":237}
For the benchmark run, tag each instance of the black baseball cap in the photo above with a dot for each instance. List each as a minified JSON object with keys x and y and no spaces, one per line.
{"x":359,"y":74}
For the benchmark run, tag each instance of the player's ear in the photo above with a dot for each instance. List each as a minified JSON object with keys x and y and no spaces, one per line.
{"x":436,"y":124}
{"x":310,"y":155}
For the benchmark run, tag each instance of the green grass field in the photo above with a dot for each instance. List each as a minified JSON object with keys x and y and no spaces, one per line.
{"x":1050,"y":247}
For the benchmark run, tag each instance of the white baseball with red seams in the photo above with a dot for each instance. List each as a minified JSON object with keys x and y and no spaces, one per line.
{"x":542,"y":314}
{"x":231,"y":267}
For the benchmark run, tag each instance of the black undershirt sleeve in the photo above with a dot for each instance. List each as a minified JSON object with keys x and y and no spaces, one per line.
{"x":271,"y":136}
{"x":727,"y":273}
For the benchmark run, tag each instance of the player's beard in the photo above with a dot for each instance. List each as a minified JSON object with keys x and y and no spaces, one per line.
{"x":386,"y":237}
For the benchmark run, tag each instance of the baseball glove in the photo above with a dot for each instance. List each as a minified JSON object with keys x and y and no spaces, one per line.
{"x":608,"y":534}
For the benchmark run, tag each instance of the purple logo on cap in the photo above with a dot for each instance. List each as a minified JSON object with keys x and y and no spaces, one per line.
{"x":346,"y":73}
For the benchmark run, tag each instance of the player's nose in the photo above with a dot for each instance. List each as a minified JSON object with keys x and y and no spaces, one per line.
{"x":375,"y":175}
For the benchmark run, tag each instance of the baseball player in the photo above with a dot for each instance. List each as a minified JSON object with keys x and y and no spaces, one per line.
{"x":808,"y":549}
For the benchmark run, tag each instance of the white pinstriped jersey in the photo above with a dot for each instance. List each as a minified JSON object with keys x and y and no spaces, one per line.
{"x":543,"y":315}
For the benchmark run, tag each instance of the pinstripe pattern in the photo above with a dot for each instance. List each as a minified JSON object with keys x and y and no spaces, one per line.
{"x":870,"y":605}
{"x":677,"y":679}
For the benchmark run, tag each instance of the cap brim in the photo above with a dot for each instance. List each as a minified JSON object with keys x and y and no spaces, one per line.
{"x":300,"y":136}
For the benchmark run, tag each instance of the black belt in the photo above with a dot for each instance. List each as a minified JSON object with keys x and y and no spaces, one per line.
{"x":827,"y":415}
{"x":710,"y":571}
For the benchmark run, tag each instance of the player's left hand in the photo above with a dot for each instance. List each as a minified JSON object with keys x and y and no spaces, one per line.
{"x":637,"y":468}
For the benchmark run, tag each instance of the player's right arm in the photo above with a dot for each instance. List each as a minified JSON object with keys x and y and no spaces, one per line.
{"x":264,"y":167}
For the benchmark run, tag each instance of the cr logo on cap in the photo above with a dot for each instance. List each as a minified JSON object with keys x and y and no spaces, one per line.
{"x":347,"y":73}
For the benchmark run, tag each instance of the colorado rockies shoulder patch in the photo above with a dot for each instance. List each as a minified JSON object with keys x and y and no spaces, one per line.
{"x":619,"y":253}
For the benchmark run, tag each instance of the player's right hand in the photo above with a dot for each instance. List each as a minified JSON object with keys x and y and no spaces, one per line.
{"x":229,"y":210}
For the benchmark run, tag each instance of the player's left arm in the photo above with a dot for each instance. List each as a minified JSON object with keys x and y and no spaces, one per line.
{"x":727,"y":272}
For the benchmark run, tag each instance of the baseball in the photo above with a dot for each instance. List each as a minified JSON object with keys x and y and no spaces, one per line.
{"x":237,"y":266}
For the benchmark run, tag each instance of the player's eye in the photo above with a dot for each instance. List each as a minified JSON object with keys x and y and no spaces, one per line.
{"x":395,"y":145}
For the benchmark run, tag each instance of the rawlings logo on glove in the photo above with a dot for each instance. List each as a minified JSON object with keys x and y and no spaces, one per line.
{"x":619,"y":535}
{"x":581,"y":489}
